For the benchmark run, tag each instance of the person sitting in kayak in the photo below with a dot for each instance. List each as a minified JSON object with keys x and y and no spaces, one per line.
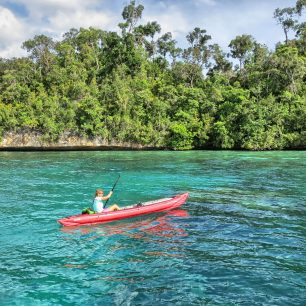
{"x":98,"y":202}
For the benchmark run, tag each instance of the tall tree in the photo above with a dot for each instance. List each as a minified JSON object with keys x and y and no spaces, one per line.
{"x":41,"y":49}
{"x":240,"y":48}
{"x":131,"y":14}
{"x":221,"y":64}
{"x":148,"y":30}
{"x":196,"y":56}
{"x":285,"y":17}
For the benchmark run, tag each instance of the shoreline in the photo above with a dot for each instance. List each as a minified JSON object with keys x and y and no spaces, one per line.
{"x":127,"y":148}
{"x":78,"y":148}
{"x":34,"y":142}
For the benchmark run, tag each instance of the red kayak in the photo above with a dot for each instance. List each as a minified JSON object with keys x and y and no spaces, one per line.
{"x":127,"y":212}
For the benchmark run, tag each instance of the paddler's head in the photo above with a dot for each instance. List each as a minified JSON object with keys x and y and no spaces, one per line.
{"x":99,"y":193}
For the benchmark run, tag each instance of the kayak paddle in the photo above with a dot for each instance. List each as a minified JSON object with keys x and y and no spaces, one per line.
{"x":112,"y":189}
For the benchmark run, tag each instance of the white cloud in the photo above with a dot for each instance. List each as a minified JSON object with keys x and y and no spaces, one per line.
{"x":62,"y":21}
{"x":172,"y":20}
{"x":48,"y":7}
{"x":50,"y":17}
{"x":11,"y":28}
{"x":207,"y":2}
{"x":255,"y":19}
{"x":11,"y":33}
{"x":223,"y":20}
{"x":12,"y":50}
{"x":42,"y":13}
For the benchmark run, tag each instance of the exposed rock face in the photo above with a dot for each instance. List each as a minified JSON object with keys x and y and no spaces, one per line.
{"x":67,"y":141}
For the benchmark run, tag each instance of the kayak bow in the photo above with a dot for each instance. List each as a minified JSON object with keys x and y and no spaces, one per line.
{"x":139,"y":209}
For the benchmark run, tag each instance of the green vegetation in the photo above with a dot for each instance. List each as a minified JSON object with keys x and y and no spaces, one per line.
{"x":141,"y":88}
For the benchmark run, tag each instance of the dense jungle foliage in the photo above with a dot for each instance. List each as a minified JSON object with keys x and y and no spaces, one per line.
{"x":138,"y":86}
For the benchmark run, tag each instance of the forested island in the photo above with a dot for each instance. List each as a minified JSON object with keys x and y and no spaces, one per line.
{"x":138,"y":87}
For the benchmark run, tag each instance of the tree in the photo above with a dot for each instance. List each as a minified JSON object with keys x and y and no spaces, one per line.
{"x":179,"y":137}
{"x":301,"y":38}
{"x":166,"y":44}
{"x":41,"y":50}
{"x":293,"y":68}
{"x":241,"y":47}
{"x":285,"y":17}
{"x":149,"y":30}
{"x":221,"y":64}
{"x":131,"y":14}
{"x":300,"y":6}
{"x":196,"y":56}
{"x":198,"y":50}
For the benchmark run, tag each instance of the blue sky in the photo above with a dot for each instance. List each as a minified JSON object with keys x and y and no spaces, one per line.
{"x":223,"y":19}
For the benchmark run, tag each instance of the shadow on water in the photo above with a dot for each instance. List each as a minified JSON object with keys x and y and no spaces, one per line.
{"x":159,"y":225}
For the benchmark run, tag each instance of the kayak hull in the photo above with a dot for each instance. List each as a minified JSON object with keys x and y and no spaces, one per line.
{"x":126,"y":212}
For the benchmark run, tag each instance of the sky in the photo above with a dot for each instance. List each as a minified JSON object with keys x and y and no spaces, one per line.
{"x":222,"y":19}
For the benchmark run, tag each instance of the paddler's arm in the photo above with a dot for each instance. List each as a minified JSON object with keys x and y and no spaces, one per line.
{"x":108,"y":196}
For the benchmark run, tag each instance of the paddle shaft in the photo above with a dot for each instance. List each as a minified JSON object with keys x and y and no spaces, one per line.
{"x":112,"y":189}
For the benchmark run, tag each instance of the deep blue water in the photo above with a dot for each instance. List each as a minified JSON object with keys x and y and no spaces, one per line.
{"x":239,"y":240}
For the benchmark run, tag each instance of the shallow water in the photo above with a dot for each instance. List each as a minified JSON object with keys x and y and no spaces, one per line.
{"x":239,"y":239}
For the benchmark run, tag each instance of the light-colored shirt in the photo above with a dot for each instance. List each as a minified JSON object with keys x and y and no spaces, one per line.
{"x":98,"y":205}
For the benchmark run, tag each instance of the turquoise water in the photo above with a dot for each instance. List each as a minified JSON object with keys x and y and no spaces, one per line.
{"x":239,"y":240}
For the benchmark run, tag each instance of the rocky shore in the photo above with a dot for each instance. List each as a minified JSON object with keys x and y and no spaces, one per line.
{"x":28,"y":141}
